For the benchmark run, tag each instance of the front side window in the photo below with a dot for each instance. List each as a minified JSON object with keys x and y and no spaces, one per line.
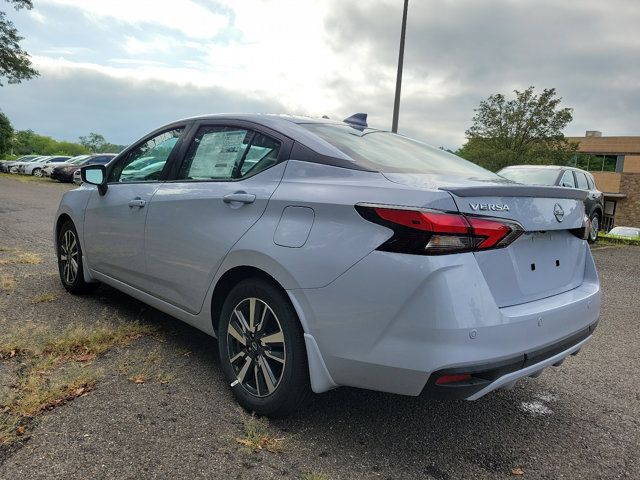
{"x":146,"y":161}
{"x":226,"y":153}
{"x":567,"y":179}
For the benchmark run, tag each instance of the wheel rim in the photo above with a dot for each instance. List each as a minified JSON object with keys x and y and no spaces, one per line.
{"x":38,"y":172}
{"x":256,"y":347}
{"x":595,"y":226}
{"x":69,"y":254}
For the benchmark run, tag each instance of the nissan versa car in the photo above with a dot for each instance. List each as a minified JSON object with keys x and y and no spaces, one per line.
{"x":563,"y":177}
{"x":324,"y":253}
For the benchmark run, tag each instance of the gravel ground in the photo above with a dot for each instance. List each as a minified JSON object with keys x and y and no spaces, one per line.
{"x":578,"y":421}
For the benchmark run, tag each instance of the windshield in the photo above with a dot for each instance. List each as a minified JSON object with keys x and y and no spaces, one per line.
{"x":391,"y":153}
{"x":531,"y":176}
{"x":77,"y":160}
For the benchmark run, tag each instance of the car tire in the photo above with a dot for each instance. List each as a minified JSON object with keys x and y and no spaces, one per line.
{"x":37,"y":172}
{"x":595,"y":226}
{"x":269,"y":377}
{"x":70,"y":265}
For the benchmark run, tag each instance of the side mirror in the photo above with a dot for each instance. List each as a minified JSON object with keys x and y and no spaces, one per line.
{"x":95,"y":175}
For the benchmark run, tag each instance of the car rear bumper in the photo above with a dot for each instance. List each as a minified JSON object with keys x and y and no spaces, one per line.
{"x":392,"y":322}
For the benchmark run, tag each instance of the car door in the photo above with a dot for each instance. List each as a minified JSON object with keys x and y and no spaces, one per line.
{"x":222,"y":188}
{"x":114,"y":222}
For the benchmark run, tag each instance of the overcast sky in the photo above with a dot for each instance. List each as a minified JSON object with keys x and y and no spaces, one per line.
{"x":125,"y":67}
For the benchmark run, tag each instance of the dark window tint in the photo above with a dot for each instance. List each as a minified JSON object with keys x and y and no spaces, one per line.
{"x":147,"y":160}
{"x":390,"y":153}
{"x":581,"y":181}
{"x":225,"y":153}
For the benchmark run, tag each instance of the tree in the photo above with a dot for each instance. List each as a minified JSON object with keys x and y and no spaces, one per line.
{"x":527,"y":129}
{"x":15,"y":65}
{"x":97,"y":144}
{"x":28,"y":142}
{"x":6,"y":134}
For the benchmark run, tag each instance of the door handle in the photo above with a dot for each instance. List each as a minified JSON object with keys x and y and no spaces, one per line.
{"x":242,"y":197}
{"x":137,"y":202}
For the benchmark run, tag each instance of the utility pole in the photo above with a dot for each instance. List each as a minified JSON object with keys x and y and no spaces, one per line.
{"x":396,"y":103}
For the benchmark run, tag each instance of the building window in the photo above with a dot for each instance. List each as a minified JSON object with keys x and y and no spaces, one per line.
{"x":595,"y":163}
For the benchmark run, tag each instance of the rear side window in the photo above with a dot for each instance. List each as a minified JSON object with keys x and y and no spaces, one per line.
{"x":591,"y":182}
{"x":391,"y":153}
{"x":226,"y":153}
{"x":581,"y":181}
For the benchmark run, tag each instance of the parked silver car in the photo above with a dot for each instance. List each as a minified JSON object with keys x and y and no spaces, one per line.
{"x":324,"y":253}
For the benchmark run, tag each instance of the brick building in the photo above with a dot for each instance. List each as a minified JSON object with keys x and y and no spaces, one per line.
{"x":615,"y":164}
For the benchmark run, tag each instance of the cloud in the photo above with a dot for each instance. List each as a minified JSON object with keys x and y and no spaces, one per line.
{"x":463,"y":51}
{"x":190,"y":18}
{"x":339,"y":57}
{"x":70,"y":101}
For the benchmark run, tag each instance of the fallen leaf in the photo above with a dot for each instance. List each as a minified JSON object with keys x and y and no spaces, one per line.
{"x":517,"y":471}
{"x":20,"y":430}
{"x":84,"y":358}
{"x":12,"y":354}
{"x":79,"y":391}
{"x":139,"y":379}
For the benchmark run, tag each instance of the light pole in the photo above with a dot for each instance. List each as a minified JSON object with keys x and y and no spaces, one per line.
{"x":396,"y":103}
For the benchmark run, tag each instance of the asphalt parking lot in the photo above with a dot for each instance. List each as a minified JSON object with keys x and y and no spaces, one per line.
{"x":581,"y":420}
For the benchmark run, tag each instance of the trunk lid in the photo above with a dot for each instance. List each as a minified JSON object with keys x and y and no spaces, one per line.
{"x":548,"y":259}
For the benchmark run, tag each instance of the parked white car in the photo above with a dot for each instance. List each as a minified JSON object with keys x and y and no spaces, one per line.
{"x":72,"y":161}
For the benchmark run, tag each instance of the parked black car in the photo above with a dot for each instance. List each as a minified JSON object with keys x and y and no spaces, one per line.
{"x":562,"y":177}
{"x":64,"y":173}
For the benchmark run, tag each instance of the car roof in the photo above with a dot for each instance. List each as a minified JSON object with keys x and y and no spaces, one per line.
{"x":288,"y":125}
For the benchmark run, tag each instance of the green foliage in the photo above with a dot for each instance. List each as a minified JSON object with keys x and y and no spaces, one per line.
{"x":28,"y":142}
{"x":524,"y":130}
{"x":96,"y":143}
{"x":15,"y":65}
{"x":6,"y":134}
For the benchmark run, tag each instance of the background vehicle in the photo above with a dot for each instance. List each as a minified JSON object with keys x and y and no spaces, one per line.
{"x":338,"y":255}
{"x":64,"y":173}
{"x":4,"y":165}
{"x":15,"y":166}
{"x":562,"y":177}
{"x":35,"y":167}
{"x":627,"y":232}
{"x":72,"y":161}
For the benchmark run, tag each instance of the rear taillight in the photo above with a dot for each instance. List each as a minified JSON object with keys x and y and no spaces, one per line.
{"x":429,"y":232}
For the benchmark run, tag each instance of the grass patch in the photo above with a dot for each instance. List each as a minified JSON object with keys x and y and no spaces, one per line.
{"x":55,"y":367}
{"x":7,"y":283}
{"x":23,"y":258}
{"x":76,"y":342}
{"x":44,"y":298}
{"x":257,"y":437}
{"x":314,"y":476}
{"x":617,"y":240}
{"x":145,"y":368}
{"x":26,"y":178}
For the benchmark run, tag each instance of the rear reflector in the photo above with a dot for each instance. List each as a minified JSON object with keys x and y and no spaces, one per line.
{"x":428,"y":232}
{"x":447,"y":379}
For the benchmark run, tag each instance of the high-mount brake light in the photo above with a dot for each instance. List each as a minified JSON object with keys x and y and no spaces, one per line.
{"x":428,"y":232}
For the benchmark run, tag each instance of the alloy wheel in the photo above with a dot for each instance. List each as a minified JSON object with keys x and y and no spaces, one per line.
{"x":256,"y":347}
{"x":37,"y":172}
{"x":69,"y":256}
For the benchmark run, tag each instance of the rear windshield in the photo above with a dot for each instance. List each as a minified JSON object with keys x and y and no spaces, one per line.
{"x":531,"y":176}
{"x":391,"y":153}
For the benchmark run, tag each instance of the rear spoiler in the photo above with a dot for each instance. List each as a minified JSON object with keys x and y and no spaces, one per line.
{"x":518,"y":191}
